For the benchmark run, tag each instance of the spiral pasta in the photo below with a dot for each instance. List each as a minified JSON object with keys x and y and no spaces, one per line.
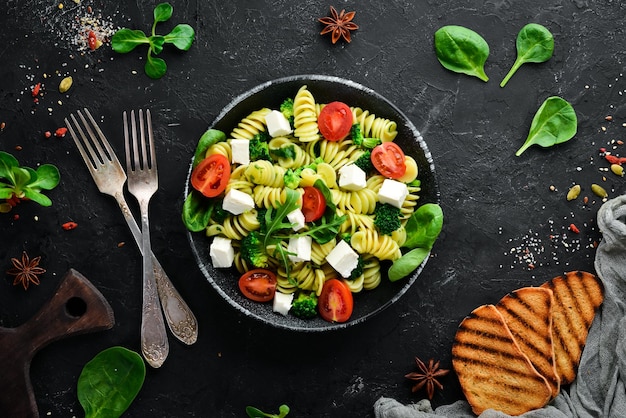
{"x":252,"y":125}
{"x":382,"y":247}
{"x":373,"y":126}
{"x":305,"y":116}
{"x":265,"y":173}
{"x":235,"y":227}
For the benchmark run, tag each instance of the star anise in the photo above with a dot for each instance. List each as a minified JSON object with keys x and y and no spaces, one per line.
{"x":427,"y":376}
{"x":26,"y":271}
{"x":339,"y":24}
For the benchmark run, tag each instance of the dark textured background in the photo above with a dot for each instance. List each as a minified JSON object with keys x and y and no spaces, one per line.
{"x":500,"y":210}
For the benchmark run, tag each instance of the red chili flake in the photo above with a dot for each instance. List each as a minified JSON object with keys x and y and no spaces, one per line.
{"x":574,"y":229}
{"x":18,"y":148}
{"x":2,"y":126}
{"x":613,"y":159}
{"x":60,"y":133}
{"x":47,"y":134}
{"x":92,"y":41}
{"x":35,"y":91}
{"x":69,"y":225}
{"x":602,"y":150}
{"x":16,"y":217}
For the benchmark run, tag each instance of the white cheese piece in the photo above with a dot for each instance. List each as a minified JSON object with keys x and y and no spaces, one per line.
{"x":237,"y":202}
{"x":222,"y":252}
{"x":393,"y":192}
{"x":277,"y":124}
{"x":296,"y":218}
{"x":240,"y":151}
{"x":343,"y":259}
{"x":352,"y":178}
{"x":282,"y":302}
{"x":301,"y":247}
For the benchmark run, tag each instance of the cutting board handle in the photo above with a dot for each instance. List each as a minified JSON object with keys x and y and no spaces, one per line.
{"x":77,"y":307}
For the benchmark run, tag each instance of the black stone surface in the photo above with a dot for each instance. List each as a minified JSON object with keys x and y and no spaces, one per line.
{"x":502,"y":212}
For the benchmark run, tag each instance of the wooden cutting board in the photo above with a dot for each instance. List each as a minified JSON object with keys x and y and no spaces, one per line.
{"x":77,"y":307}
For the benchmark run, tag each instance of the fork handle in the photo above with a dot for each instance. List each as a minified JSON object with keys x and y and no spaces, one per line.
{"x":180,"y":319}
{"x":154,"y":344}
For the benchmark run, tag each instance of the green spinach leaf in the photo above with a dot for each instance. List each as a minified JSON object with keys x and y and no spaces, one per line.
{"x":462,"y":50}
{"x":535,"y":44}
{"x":555,"y":122}
{"x":197,"y":211}
{"x":422,"y":230}
{"x":109,"y":383}
{"x":208,"y":138}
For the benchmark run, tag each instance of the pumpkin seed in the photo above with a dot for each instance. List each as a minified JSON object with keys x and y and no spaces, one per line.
{"x":599,"y":191}
{"x":617,"y":169}
{"x":65,"y":84}
{"x":573,"y":192}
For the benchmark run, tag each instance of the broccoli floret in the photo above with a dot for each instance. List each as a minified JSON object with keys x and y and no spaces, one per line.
{"x":286,"y":108}
{"x":305,"y":305}
{"x":260,"y":216}
{"x":346,"y":236}
{"x":387,"y":218}
{"x":292,"y":178}
{"x":358,"y":270}
{"x":258,"y":147}
{"x":253,"y":251}
{"x":287,"y":152}
{"x":357,"y":138}
{"x":364,"y":162}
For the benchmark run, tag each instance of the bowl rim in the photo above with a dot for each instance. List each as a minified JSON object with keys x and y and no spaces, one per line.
{"x":234,"y":102}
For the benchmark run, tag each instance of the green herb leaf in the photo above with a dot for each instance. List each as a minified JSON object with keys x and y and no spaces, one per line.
{"x":406,"y":264}
{"x":125,"y":40}
{"x":462,"y":50}
{"x":534,"y":43}
{"x":163,"y":12}
{"x":155,"y":67}
{"x":253,"y":412}
{"x":109,"y":383}
{"x":197,"y":211}
{"x":182,"y":36}
{"x":423,"y":226}
{"x":555,"y":122}
{"x":48,"y":177}
{"x":7,"y":162}
{"x":422,"y":230}
{"x":208,"y":138}
{"x":37,"y":197}
{"x":156,"y":43}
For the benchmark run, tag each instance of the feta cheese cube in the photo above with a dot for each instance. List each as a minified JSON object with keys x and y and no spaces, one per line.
{"x":296,"y":218}
{"x":301,"y":247}
{"x":343,"y":259}
{"x":237,"y":202}
{"x":222,"y":252}
{"x":393,"y":192}
{"x":282,"y":302}
{"x":277,"y":124}
{"x":352,"y":178}
{"x":240,"y":151}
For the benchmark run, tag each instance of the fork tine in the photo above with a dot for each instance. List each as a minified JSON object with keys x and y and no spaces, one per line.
{"x":88,"y":160}
{"x":110,"y":154}
{"x":126,"y":143}
{"x":151,"y":140}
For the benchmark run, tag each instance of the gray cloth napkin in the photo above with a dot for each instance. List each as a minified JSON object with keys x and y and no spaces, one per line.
{"x":598,"y":390}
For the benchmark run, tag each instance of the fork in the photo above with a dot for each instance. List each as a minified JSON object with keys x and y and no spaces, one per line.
{"x":143,"y":182}
{"x":109,"y":176}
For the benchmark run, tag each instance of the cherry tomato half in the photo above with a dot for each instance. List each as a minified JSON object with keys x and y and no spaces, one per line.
{"x":313,"y":204}
{"x":335,"y":302}
{"x":211,"y":176}
{"x":335,"y":121}
{"x":388,"y":159}
{"x":258,"y":285}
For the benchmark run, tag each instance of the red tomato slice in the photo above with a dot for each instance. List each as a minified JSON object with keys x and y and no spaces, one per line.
{"x":335,"y":302}
{"x":211,"y":176}
{"x":388,"y":159}
{"x":313,"y":204}
{"x":258,"y":285}
{"x":335,"y":121}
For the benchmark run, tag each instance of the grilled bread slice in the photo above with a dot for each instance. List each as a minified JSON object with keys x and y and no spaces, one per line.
{"x":577,"y":295}
{"x":492,"y":370}
{"x":528,"y":314}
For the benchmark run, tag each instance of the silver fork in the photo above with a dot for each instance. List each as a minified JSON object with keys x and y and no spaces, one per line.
{"x":109,"y":176}
{"x":143,"y":182}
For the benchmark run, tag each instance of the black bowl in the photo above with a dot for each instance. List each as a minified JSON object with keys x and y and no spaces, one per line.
{"x":325,"y":89}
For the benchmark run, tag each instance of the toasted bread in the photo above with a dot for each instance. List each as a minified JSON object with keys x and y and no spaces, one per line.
{"x":492,"y":370}
{"x":528,"y":314}
{"x":576,"y":296}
